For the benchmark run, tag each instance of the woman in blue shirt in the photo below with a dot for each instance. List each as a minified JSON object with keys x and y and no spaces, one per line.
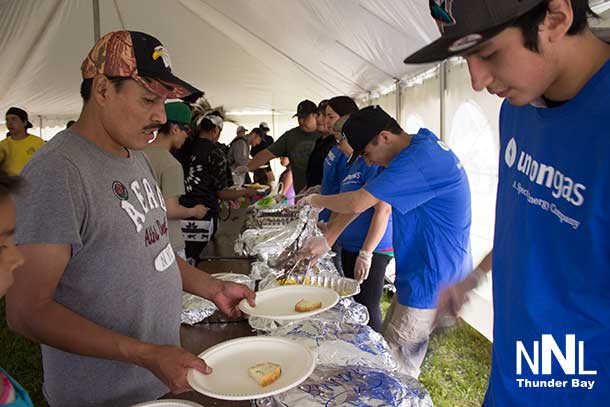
{"x":367,"y":243}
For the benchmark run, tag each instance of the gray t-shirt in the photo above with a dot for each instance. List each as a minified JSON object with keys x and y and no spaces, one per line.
{"x":122,"y":274}
{"x":296,"y":144}
{"x":170,"y":177}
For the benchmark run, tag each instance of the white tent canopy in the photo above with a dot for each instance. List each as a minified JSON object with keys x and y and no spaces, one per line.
{"x":252,"y":56}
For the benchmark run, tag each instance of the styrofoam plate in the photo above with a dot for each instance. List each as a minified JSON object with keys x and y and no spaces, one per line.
{"x":230,"y":361}
{"x":278,"y":303}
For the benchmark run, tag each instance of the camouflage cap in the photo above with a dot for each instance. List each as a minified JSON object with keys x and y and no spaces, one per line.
{"x":138,"y":56}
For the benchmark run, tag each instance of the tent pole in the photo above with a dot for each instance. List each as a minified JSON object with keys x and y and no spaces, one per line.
{"x":273,"y":122}
{"x":442,"y":92}
{"x":398,"y":101}
{"x":96,"y":20}
{"x":40,"y":125}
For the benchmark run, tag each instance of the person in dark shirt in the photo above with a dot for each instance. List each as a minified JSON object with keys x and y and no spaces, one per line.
{"x":315,"y":165}
{"x":264,"y":172}
{"x":206,"y":180}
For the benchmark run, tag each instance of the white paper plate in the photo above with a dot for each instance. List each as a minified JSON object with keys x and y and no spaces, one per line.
{"x":278,"y":303}
{"x":231,"y":360}
{"x":168,"y":403}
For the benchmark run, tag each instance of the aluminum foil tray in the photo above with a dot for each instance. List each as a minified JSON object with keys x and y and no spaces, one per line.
{"x":345,"y":287}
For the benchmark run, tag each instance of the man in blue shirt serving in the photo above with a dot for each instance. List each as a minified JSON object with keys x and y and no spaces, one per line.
{"x":551,"y":255}
{"x":428,"y":190}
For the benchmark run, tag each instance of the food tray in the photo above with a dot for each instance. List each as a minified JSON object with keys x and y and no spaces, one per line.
{"x":345,"y":287}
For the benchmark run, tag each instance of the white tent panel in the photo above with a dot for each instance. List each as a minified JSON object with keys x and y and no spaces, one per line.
{"x":249,"y":55}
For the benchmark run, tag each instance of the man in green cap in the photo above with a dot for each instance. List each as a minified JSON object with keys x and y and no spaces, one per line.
{"x":168,"y":170}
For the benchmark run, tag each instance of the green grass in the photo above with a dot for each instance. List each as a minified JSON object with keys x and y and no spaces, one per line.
{"x":455,"y":370}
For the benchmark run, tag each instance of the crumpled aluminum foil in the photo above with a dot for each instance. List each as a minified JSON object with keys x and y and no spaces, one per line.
{"x":335,"y":386}
{"x":347,"y":310}
{"x":338,"y":343}
{"x":279,"y":247}
{"x":345,"y":287}
{"x":196,"y":309}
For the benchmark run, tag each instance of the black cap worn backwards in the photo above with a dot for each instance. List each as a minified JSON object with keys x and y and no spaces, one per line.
{"x":465,"y":24}
{"x":305,"y":108}
{"x":363,"y":126}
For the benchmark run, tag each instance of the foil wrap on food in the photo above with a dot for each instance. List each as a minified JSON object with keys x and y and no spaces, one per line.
{"x":268,"y":244}
{"x":279,"y":247}
{"x":345,"y":287}
{"x":335,"y":386}
{"x":262,"y":218}
{"x":341,"y":344}
{"x":196,"y":309}
{"x":347,"y":310}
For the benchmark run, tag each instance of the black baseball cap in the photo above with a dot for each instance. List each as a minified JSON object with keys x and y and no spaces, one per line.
{"x":305,"y":108}
{"x":22,"y":114}
{"x":363,"y":126}
{"x":464,"y":24}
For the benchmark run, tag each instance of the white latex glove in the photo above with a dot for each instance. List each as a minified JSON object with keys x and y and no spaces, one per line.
{"x":451,"y":299}
{"x":363,"y":265}
{"x":242,"y":169}
{"x":314,"y":247}
{"x":307,"y":201}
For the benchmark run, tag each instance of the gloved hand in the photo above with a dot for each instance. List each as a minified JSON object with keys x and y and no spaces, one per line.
{"x":242,"y":169}
{"x":314,"y":247}
{"x":363,"y":265}
{"x":308,"y":201}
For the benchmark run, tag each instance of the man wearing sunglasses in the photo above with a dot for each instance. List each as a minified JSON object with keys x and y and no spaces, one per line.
{"x":168,"y":170}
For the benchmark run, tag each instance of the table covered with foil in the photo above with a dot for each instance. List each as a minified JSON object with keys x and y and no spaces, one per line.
{"x":354,"y":364}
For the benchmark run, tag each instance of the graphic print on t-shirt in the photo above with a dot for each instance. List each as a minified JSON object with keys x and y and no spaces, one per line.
{"x":548,"y":176}
{"x":148,"y":200}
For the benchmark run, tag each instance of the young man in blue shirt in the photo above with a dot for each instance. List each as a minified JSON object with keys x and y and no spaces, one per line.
{"x":552,"y":238}
{"x":428,"y":190}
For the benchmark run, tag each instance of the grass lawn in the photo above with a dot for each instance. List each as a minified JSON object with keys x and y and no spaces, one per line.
{"x":455,"y":370}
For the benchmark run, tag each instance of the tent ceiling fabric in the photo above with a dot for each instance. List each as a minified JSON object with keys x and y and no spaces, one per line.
{"x":248,"y":55}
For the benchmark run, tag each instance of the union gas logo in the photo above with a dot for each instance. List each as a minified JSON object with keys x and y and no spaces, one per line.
{"x":545,"y":175}
{"x":537,"y":360}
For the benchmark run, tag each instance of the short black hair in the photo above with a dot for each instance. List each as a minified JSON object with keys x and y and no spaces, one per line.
{"x":9,"y":184}
{"x":87,"y":84}
{"x":259,"y":131}
{"x":530,"y":21}
{"x":393,"y":127}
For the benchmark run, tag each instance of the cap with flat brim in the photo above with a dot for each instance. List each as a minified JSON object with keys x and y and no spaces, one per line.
{"x":464,"y":24}
{"x":363,"y":126}
{"x":446,"y":47}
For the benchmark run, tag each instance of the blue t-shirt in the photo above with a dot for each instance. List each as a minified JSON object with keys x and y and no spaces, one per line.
{"x":335,"y":169}
{"x":430,"y":197}
{"x":355,"y":233}
{"x":551,"y":262}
